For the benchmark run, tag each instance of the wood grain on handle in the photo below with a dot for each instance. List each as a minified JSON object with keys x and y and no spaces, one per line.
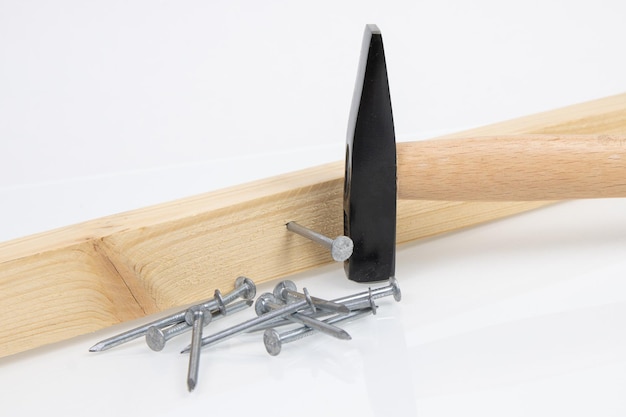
{"x":513,"y":168}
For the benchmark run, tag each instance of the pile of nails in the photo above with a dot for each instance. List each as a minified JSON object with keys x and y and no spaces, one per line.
{"x":285,"y":306}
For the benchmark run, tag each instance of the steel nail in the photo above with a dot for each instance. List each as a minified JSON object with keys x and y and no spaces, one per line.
{"x":201,"y":316}
{"x":244,"y":287}
{"x":340,"y":248}
{"x":268,"y":302}
{"x":136,"y":332}
{"x":353,"y":302}
{"x":361,"y":299}
{"x":156,"y":337}
{"x":287,"y":291}
{"x":250,"y":324}
{"x":273,"y":340}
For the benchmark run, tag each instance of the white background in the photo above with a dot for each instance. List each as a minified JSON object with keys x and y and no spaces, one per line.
{"x":107,"y":106}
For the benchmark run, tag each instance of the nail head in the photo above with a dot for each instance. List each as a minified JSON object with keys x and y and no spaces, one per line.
{"x":272,"y":342}
{"x":251,"y":287}
{"x":155,"y":338}
{"x":341,"y":248}
{"x":284,"y":285}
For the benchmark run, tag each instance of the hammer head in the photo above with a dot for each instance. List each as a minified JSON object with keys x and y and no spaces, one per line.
{"x":370,"y":181}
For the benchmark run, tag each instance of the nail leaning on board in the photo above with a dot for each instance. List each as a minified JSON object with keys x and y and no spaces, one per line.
{"x":244,"y":287}
{"x":157,"y":337}
{"x":136,"y":332}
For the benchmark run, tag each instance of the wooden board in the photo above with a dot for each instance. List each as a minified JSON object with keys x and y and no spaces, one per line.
{"x":78,"y":279}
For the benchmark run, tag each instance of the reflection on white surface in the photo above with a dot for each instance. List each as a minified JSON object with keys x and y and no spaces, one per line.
{"x":525,"y":318}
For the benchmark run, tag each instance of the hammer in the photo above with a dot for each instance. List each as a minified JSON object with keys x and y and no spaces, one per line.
{"x":497,"y":168}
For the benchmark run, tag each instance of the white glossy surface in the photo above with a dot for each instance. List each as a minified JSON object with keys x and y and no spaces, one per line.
{"x":112,"y":106}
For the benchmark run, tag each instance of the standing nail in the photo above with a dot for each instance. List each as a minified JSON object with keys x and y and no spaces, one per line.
{"x":200,"y":317}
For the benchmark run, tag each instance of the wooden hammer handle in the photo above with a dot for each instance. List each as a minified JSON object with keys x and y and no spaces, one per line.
{"x":513,"y":168}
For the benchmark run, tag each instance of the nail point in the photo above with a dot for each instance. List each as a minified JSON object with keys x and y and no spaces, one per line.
{"x":191,"y":384}
{"x":97,"y":347}
{"x":344,"y":335}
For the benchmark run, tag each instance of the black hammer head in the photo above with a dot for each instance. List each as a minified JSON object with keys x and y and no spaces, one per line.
{"x":370,"y":181}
